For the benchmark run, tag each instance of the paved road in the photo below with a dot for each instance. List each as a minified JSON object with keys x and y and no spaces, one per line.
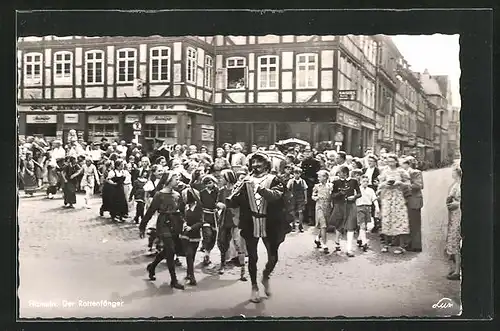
{"x":71,"y":255}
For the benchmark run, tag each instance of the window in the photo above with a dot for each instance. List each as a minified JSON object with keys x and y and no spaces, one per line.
{"x":268,"y":72}
{"x":127,"y":65}
{"x":159,"y":65}
{"x":307,"y":71}
{"x":191,"y":66}
{"x":63,"y":63}
{"x":164,"y":132}
{"x":236,"y":73}
{"x":103,"y":130}
{"x":209,"y":69}
{"x":94,"y":64}
{"x":32,"y":67}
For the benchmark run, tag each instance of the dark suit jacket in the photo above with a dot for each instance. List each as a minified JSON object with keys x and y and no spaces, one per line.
{"x":376,"y":173}
{"x":416,"y":200}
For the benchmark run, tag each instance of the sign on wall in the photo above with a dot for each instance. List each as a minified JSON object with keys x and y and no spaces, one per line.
{"x":348,"y":120}
{"x":131,"y":118}
{"x":41,"y":119}
{"x":207,"y":132}
{"x":103,"y":119}
{"x":161,"y":119}
{"x":71,"y":118}
{"x":348,"y":95}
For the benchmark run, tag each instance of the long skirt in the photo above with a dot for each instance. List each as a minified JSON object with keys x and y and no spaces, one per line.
{"x":69,"y":191}
{"x":415,"y":218}
{"x":118,"y":205}
{"x":30,"y":183}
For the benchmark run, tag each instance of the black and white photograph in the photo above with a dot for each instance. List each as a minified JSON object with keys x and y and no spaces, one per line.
{"x":239,"y":175}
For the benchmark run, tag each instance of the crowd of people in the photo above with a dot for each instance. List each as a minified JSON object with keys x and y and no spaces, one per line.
{"x":233,"y":199}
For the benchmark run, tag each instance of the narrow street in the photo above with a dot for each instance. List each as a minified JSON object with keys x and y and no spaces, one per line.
{"x":71,"y":255}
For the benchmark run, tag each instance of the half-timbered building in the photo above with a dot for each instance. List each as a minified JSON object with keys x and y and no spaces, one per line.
{"x":100,"y":86}
{"x":271,"y":87}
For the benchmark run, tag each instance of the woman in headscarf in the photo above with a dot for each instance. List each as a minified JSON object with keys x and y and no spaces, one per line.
{"x":395,"y":224}
{"x":29,"y":177}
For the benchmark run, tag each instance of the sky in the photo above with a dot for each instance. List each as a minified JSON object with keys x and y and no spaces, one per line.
{"x":437,"y":53}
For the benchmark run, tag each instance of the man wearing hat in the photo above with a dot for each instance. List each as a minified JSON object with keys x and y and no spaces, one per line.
{"x":58,"y":151}
{"x":310,"y":167}
{"x":260,"y":199}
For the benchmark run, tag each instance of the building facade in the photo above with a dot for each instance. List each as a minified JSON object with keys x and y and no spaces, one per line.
{"x":100,"y":86}
{"x":454,"y":133}
{"x":307,"y":87}
{"x":351,"y":92}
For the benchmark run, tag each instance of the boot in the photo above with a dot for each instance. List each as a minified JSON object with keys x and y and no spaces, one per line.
{"x":192,"y":280}
{"x":222,"y":264}
{"x":175,"y":284}
{"x":242,"y":273}
{"x":151,"y":271}
{"x":255,"y":296}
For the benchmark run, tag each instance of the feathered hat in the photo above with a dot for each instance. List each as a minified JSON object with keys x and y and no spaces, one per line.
{"x":208,"y":178}
{"x":229,"y":176}
{"x":193,"y":192}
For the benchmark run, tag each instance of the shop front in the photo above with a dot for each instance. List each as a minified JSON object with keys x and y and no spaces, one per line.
{"x":264,"y":127}
{"x":159,"y":128}
{"x":367,"y":136}
{"x":71,"y":121}
{"x":41,"y":125}
{"x":128,"y":129}
{"x":351,"y":128}
{"x":103,"y":126}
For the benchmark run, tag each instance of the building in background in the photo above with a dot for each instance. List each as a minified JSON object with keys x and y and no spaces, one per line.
{"x":454,"y":133}
{"x":439,"y":108}
{"x":271,"y":88}
{"x":100,"y":86}
{"x":386,"y":88}
{"x":356,"y":91}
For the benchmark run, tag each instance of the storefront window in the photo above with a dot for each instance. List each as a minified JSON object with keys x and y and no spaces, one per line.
{"x":261,"y":134}
{"x":232,"y":133}
{"x":104,"y":130}
{"x":163,"y":132}
{"x":300,"y":130}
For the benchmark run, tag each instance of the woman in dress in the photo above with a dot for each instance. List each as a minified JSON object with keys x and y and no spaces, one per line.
{"x":118,"y":202}
{"x":39,"y":160}
{"x":29,"y":177}
{"x":52,"y":177}
{"x":453,"y":237}
{"x":69,"y":174}
{"x":220,"y":163}
{"x":393,"y":183}
{"x":89,"y":179}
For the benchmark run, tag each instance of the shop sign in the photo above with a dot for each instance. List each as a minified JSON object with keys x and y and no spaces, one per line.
{"x":161,"y":119}
{"x":348,"y":95}
{"x":70,"y":118}
{"x":348,"y":120}
{"x":45,"y":119}
{"x":103,"y":119}
{"x":131,"y":118}
{"x":207,"y":133}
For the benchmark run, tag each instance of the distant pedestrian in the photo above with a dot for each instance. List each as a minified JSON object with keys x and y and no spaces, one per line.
{"x":298,"y":187}
{"x":70,"y":173}
{"x":364,"y":210}
{"x":322,"y":195}
{"x":139,"y":195}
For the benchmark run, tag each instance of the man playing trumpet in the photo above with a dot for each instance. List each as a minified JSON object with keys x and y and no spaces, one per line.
{"x":260,"y":199}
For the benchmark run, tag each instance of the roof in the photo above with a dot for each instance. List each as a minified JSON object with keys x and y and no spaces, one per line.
{"x":442,"y":81}
{"x":429,"y":84}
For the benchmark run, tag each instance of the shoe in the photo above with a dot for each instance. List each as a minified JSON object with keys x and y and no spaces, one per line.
{"x":399,"y":251}
{"x":136,"y":220}
{"x":301,"y":230}
{"x":101,"y":213}
{"x":318,"y":243}
{"x":178,"y":263}
{"x":175,"y":284}
{"x":267,"y":286}
{"x":384,"y":249}
{"x":71,"y":207}
{"x":326,"y":250}
{"x":255,"y":297}
{"x":337,"y":249}
{"x":365,"y":247}
{"x":453,"y":276}
{"x":191,"y":281}
{"x":206,"y":260}
{"x":87,"y":207}
{"x":360,"y":243}
{"x":349,"y":254}
{"x":151,"y":271}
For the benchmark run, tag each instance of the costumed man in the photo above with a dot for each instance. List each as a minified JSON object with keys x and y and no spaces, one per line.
{"x":260,"y":199}
{"x":208,"y":196}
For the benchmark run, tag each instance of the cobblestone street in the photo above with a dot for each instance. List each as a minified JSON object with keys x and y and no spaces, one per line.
{"x":72,"y":255}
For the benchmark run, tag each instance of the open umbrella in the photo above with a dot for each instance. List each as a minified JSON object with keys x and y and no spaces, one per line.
{"x":277,"y":160}
{"x":293,"y":141}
